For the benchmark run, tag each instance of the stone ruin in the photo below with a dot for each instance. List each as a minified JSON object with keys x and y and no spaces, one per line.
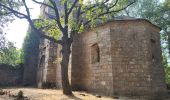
{"x":120,"y":57}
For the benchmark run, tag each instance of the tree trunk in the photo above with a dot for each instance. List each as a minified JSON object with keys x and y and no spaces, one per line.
{"x":64,"y":66}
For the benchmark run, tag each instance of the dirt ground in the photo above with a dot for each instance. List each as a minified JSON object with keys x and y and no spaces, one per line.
{"x":49,"y":94}
{"x":53,"y":94}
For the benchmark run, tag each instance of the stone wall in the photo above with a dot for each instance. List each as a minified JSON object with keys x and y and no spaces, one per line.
{"x":95,"y":76}
{"x":129,"y":62}
{"x":31,"y":52}
{"x":42,"y":62}
{"x":135,"y":46}
{"x":10,"y":76}
{"x":49,"y":70}
{"x":52,"y":60}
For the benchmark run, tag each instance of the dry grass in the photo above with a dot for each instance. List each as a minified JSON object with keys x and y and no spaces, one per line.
{"x":48,"y":94}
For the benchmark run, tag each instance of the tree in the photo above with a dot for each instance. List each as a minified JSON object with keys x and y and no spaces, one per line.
{"x":10,"y":55}
{"x":2,"y":41}
{"x":75,"y":17}
{"x":6,"y":15}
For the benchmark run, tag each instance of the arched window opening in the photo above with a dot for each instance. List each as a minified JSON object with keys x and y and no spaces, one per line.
{"x":42,"y":61}
{"x":95,"y":53}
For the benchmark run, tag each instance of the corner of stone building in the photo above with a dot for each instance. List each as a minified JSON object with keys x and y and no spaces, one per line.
{"x":159,"y":89}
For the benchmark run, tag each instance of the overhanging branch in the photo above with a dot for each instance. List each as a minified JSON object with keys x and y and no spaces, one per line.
{"x":16,"y":13}
{"x":109,"y":11}
{"x":73,"y":5}
{"x":57,"y":15}
{"x":41,"y":3}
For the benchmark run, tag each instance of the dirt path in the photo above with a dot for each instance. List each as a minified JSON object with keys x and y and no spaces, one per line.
{"x":48,"y":94}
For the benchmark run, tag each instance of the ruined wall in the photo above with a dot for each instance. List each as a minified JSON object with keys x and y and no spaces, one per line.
{"x":58,"y":68}
{"x":31,"y":52}
{"x":122,"y":57}
{"x":42,"y":62}
{"x":49,"y":69}
{"x":10,"y":76}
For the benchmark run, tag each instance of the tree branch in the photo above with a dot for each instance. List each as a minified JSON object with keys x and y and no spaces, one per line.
{"x":31,"y":22}
{"x":26,"y":8}
{"x":95,"y":5}
{"x":57,"y":16}
{"x":108,"y":12}
{"x":66,"y":16}
{"x":73,"y":5}
{"x":41,"y":3}
{"x":42,"y":35}
{"x":16,"y":13}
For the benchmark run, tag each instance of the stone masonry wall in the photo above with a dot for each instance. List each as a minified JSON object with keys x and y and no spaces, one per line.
{"x":10,"y":76}
{"x":51,"y":69}
{"x":129,"y":63}
{"x":31,"y":52}
{"x":42,"y":62}
{"x":58,"y":68}
{"x":130,"y":55}
{"x":133,"y":69}
{"x":92,"y":76}
{"x":158,"y":75}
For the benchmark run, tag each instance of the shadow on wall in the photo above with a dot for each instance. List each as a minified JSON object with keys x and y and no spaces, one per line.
{"x":11,"y":75}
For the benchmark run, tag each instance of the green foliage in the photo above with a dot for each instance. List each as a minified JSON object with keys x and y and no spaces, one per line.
{"x":10,"y":55}
{"x":8,"y":52}
{"x":95,"y":15}
{"x":5,"y":15}
{"x":49,"y":27}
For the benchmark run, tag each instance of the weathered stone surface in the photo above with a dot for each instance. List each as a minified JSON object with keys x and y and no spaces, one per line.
{"x":31,"y":52}
{"x":49,"y":70}
{"x":10,"y":76}
{"x":130,"y":60}
{"x":122,"y":57}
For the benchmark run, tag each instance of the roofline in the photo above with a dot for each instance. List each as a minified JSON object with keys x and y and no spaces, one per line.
{"x":134,"y":19}
{"x":117,"y":20}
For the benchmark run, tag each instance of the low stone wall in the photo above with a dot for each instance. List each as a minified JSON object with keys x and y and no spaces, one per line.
{"x":10,"y":76}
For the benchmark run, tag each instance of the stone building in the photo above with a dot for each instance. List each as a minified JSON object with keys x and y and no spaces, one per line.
{"x":49,"y":68}
{"x":120,"y":57}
